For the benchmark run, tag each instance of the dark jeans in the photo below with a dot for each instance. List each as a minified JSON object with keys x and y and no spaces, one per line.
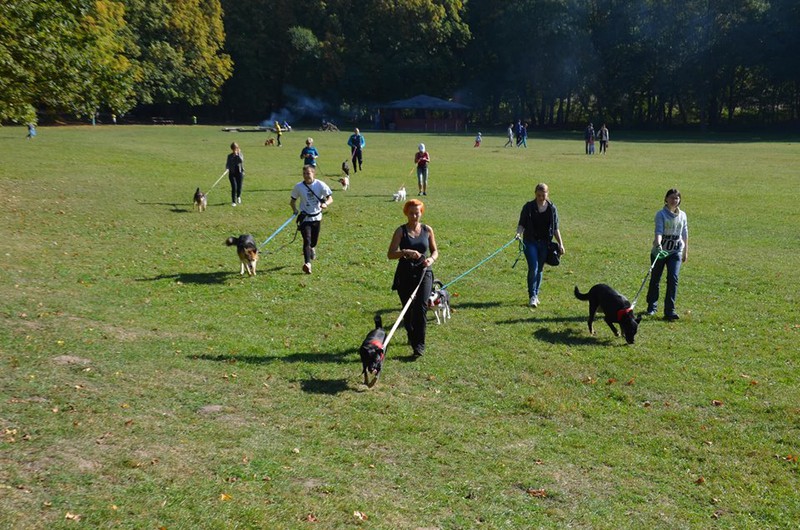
{"x":416,"y":318}
{"x":357,"y":156}
{"x":673,"y":264}
{"x":236,"y":185}
{"x":310,"y":233}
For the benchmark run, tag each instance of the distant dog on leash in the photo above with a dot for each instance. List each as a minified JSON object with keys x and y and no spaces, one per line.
{"x":439,"y":301}
{"x":346,"y":168}
{"x":247,"y":250}
{"x":371,"y":352}
{"x":617,"y":310}
{"x":269,"y":141}
{"x":200,"y":200}
{"x":400,"y":196}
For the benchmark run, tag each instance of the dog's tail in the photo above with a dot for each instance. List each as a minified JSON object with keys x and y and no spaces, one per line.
{"x":378,"y":321}
{"x":232,"y":241}
{"x":580,"y":296}
{"x":197,"y":191}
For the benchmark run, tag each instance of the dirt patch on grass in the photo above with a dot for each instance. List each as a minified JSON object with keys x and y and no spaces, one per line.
{"x":71,"y":360}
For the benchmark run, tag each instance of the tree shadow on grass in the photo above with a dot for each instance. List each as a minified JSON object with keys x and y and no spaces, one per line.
{"x":572,"y":338}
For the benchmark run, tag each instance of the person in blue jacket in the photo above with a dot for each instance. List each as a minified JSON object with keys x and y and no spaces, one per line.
{"x":356,"y":143}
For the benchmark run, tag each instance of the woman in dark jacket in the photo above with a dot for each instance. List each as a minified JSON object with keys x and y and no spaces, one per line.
{"x":538,"y":224}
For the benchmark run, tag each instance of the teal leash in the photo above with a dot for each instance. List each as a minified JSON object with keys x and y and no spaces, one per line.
{"x":484,"y":260}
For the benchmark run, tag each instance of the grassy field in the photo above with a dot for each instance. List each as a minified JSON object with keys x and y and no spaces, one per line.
{"x":145,"y":384}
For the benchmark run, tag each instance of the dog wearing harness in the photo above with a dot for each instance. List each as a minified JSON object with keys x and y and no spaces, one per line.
{"x":439,"y":301}
{"x":617,"y":310}
{"x":372,"y":352}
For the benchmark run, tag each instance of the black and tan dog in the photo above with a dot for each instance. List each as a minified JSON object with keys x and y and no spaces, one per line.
{"x":617,"y":310}
{"x":372,"y":353}
{"x":247,"y":250}
{"x":200,"y":200}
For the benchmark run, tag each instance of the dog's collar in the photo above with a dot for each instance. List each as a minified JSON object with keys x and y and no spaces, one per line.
{"x":376,"y":342}
{"x":622,"y":312}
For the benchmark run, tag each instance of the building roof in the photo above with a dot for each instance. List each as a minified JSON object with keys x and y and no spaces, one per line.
{"x":425,"y":102}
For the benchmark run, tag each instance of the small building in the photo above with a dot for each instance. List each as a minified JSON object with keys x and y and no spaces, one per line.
{"x":424,"y":113}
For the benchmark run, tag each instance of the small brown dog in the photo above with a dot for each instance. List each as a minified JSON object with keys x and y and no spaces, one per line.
{"x":269,"y":141}
{"x":247,"y":250}
{"x":345,"y":182}
{"x":200,"y":201}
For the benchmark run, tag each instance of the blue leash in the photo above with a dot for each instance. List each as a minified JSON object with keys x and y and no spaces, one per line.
{"x":278,"y":231}
{"x":484,"y":260}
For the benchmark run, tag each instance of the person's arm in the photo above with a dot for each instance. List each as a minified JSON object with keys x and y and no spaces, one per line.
{"x":433,"y":248}
{"x":520,"y":225}
{"x":561,"y":250}
{"x":394,"y":251}
{"x":659,"y":231}
{"x":326,"y":202}
{"x":685,"y":237}
{"x":293,"y":204}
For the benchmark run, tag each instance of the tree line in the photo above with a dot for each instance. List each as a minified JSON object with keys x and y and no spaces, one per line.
{"x":632,"y":63}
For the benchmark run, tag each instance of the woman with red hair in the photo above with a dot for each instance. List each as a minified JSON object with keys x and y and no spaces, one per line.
{"x":414,"y":245}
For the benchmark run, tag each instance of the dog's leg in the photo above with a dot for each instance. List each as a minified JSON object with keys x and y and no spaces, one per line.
{"x":610,"y":323}
{"x":241,"y":269}
{"x":592,"y":311}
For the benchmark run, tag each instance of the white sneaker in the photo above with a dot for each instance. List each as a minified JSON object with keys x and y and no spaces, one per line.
{"x":313,"y":253}
{"x":307,"y":268}
{"x":233,"y":204}
{"x":534,"y":302}
{"x":239,"y":200}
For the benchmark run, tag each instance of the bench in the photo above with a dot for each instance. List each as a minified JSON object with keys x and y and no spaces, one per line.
{"x":162,"y":121}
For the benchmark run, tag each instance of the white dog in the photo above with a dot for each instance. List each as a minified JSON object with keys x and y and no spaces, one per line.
{"x":439,"y":301}
{"x":400,"y":196}
{"x":345,"y":182}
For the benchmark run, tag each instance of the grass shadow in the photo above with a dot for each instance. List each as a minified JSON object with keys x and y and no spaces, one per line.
{"x":174,"y":206}
{"x":199,"y":278}
{"x":306,"y":357}
{"x":329,"y":387}
{"x":570,"y":337}
{"x":534,"y":319}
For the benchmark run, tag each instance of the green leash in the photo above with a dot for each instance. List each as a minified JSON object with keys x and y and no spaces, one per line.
{"x":661,"y":255}
{"x":484,"y":260}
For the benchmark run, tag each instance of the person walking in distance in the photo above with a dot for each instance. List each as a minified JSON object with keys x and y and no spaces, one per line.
{"x":422,"y":158}
{"x":235,"y":167}
{"x":357,"y":144}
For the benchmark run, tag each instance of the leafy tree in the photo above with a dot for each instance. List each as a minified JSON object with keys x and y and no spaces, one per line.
{"x":63,"y":56}
{"x":180,"y":50}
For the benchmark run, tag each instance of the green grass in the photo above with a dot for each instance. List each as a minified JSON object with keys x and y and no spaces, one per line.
{"x":145,"y":384}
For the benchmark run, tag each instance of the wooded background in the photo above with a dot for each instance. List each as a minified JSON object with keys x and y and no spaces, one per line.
{"x":556,"y":63}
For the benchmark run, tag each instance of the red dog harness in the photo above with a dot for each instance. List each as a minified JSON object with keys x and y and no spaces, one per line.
{"x":622,"y":312}
{"x":379,"y":345}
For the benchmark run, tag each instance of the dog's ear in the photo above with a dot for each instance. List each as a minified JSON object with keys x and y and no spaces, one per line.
{"x":638,"y":319}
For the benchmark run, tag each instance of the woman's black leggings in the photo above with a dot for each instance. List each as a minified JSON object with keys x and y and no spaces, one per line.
{"x":236,"y":185}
